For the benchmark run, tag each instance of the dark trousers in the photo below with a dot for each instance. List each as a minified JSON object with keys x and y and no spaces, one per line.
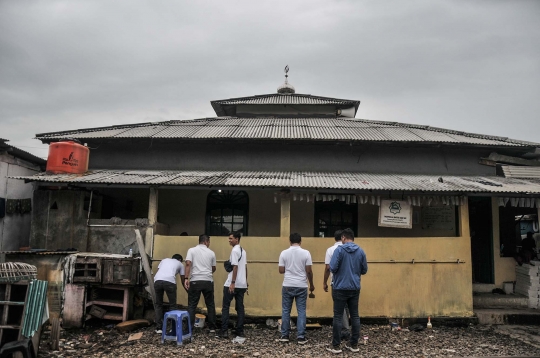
{"x":238,"y":296}
{"x":162,"y":287}
{"x":341,"y":299}
{"x":194,"y":294}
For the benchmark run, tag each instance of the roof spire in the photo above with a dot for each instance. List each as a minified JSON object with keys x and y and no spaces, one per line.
{"x":286,"y":88}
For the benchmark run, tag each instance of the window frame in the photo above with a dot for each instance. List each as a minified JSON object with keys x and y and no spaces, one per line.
{"x":233,"y":200}
{"x":333,"y":206}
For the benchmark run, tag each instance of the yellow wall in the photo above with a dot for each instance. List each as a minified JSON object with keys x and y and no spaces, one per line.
{"x":389,"y":289}
{"x":504,"y":267}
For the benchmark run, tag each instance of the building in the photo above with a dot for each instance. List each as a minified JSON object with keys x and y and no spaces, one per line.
{"x":15,"y":195}
{"x":284,"y":162}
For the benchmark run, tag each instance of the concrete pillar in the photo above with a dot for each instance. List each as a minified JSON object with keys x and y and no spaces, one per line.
{"x":285,"y":226}
{"x":152,"y":220}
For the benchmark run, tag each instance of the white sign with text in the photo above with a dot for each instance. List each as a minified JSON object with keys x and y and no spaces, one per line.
{"x":395,"y":213}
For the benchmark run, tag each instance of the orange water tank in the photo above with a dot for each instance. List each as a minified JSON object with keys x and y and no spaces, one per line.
{"x":68,"y":157}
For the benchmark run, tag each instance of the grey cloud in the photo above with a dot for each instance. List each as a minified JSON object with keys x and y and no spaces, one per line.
{"x":470,"y":66}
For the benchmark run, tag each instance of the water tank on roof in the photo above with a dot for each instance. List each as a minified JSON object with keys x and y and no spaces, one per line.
{"x":67,"y":157}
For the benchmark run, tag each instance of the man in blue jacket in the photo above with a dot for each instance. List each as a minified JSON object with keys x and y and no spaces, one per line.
{"x":347,"y":265}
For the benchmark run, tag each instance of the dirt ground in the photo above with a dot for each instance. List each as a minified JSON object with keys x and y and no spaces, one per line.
{"x":261,"y":341}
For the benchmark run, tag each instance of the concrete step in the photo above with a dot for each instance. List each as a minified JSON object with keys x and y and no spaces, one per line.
{"x":490,"y":300}
{"x":508,"y":316}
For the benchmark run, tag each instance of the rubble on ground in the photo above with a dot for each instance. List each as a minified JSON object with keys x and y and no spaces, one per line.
{"x":261,"y":342}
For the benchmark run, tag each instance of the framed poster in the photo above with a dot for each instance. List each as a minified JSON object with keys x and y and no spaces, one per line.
{"x":395,"y":213}
{"x":439,"y":217}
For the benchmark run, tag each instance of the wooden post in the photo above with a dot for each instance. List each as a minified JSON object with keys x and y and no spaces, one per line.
{"x":152,"y":220}
{"x":146,"y":266}
{"x":285,"y":227}
{"x":464,"y":230}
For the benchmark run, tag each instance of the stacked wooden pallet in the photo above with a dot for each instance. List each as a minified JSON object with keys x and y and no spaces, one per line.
{"x":528,"y":282}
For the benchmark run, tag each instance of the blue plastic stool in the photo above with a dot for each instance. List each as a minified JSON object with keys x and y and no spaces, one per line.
{"x":180,"y":330}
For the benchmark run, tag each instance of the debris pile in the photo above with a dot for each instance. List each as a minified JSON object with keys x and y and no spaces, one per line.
{"x":261,"y":342}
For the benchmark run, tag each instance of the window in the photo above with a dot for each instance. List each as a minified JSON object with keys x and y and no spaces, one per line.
{"x":331,"y":216}
{"x":514,"y":224}
{"x":227,"y":211}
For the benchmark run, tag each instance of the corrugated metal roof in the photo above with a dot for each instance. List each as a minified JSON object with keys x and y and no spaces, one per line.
{"x":512,"y":171}
{"x":335,"y":129}
{"x":308,"y":180}
{"x":35,"y":306}
{"x":22,"y":154}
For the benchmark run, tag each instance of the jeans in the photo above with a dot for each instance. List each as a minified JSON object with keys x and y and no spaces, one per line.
{"x":162,"y":287}
{"x":194,"y":294}
{"x":346,"y":326}
{"x":288,"y":294}
{"x":341,"y":299}
{"x":238,"y":296}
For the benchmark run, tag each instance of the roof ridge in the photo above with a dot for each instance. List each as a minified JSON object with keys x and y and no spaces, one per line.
{"x":284,"y":95}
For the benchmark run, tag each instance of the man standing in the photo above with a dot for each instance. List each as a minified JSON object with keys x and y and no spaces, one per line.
{"x":347,"y":265}
{"x":200,"y":265}
{"x":165,"y":282}
{"x":235,"y":287}
{"x":327,"y":274}
{"x":295,"y":263}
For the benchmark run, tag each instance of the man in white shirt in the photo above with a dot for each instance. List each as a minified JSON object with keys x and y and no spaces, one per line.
{"x":295,"y":263}
{"x":200,"y":265}
{"x":327,"y":274}
{"x":165,"y":282}
{"x":235,"y":287}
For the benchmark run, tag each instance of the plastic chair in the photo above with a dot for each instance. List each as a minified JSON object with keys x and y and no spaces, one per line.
{"x":180,"y":327}
{"x":25,"y":347}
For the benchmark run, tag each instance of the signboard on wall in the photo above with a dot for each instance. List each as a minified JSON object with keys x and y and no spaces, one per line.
{"x":395,"y":213}
{"x":439,"y":217}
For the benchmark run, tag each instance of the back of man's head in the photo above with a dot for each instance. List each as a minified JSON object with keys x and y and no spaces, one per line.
{"x":348,"y":234}
{"x":529,"y":235}
{"x":203,"y":239}
{"x":178,"y":257}
{"x":337,"y":235}
{"x":236,"y":234}
{"x":295,"y":238}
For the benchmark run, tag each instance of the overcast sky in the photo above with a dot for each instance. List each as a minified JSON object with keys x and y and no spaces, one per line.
{"x":465,"y":65}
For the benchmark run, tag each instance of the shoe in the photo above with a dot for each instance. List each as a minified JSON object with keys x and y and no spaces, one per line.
{"x":334,"y":349}
{"x":302,"y":340}
{"x":283,"y":339}
{"x":352,"y":347}
{"x":223,"y":335}
{"x":158,"y":331}
{"x":212,"y":331}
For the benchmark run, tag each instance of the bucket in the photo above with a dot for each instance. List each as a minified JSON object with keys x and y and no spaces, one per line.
{"x":199,"y":320}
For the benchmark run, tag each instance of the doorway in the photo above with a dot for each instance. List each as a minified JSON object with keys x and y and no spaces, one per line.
{"x":480,"y":223}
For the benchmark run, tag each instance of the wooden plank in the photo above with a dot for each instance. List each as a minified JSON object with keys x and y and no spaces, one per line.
{"x":115,"y":317}
{"x":125,"y":311}
{"x":146,"y":266}
{"x":104,"y":302}
{"x":74,"y":305}
{"x":6,"y":308}
{"x":128,"y":326}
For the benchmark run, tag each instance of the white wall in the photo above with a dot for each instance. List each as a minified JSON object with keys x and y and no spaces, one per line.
{"x":15,"y":228}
